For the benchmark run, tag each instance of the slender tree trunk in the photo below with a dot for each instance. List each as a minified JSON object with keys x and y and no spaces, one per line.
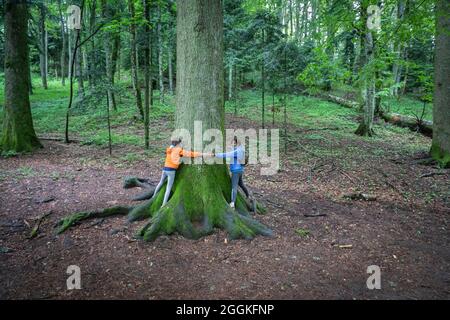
{"x":93,"y":69}
{"x":349,"y":53}
{"x":18,"y":133}
{"x":71,"y":68}
{"x":263,"y":80}
{"x":297,"y":21}
{"x":43,"y":45}
{"x":397,"y":67}
{"x":30,"y":81}
{"x":169,"y":56}
{"x":366,"y":126}
{"x":69,"y":46}
{"x":79,"y":70}
{"x":160,"y":57}
{"x":440,"y":149}
{"x":63,"y":46}
{"x":134,"y":70}
{"x":230,"y":81}
{"x":46,"y":53}
{"x":314,"y":24}
{"x":305,"y":20}
{"x":147,"y":84}
{"x":79,"y":64}
{"x":235,"y":96}
{"x":285,"y":101}
{"x":118,"y":64}
{"x":273,"y":108}
{"x":406,"y":73}
{"x":291,"y":19}
{"x":114,"y":58}
{"x":106,"y":14}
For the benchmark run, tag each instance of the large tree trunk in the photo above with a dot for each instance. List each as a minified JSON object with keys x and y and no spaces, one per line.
{"x":43,"y":45}
{"x":200,"y":193}
{"x":18,"y":133}
{"x":134,"y":70}
{"x":440,"y":149}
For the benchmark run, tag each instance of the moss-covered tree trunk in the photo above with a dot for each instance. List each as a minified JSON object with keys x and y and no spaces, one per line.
{"x":201,"y":194}
{"x":18,"y":133}
{"x":440,"y":149}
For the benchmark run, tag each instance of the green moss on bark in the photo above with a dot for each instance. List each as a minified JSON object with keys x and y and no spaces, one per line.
{"x":199,"y":203}
{"x":18,"y":133}
{"x":440,"y":155}
{"x":364,"y":131}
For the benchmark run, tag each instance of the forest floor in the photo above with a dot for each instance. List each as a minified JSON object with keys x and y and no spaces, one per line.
{"x":405,"y":231}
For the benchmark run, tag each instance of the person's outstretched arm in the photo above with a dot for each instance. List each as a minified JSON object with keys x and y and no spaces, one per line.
{"x":190,"y":154}
{"x":229,"y":154}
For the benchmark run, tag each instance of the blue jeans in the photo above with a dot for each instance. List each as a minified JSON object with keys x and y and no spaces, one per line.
{"x":236,"y":181}
{"x":170,"y":176}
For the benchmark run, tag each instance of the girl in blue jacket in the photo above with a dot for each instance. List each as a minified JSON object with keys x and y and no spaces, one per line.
{"x":237,"y":156}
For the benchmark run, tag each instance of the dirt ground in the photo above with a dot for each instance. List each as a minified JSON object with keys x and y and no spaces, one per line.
{"x":405,"y":231}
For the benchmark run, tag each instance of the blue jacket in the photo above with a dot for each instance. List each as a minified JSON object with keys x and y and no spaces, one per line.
{"x":237,"y":157}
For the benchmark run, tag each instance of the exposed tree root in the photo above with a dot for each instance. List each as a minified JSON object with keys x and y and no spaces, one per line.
{"x":132,"y":182}
{"x":198,"y":204}
{"x":75,"y":218}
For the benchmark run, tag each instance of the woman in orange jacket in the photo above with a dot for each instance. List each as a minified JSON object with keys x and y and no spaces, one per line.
{"x":174,"y":153}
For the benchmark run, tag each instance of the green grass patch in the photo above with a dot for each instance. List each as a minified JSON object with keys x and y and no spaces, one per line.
{"x":302,"y":232}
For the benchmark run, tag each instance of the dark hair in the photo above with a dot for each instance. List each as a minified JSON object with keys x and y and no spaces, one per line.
{"x":176,"y":141}
{"x":235,"y":139}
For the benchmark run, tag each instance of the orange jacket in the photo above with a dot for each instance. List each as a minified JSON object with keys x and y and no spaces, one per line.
{"x":173,"y":155}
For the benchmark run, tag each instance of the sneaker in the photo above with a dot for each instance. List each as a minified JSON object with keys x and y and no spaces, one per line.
{"x":232,"y":204}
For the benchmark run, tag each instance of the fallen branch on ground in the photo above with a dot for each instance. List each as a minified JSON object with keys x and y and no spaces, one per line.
{"x":430,"y":174}
{"x":414,"y":123}
{"x":360,"y":196}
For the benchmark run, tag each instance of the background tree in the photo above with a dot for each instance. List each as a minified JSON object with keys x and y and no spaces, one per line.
{"x":440,"y":149}
{"x":18,"y":132}
{"x":147,"y":71}
{"x":107,"y":15}
{"x":133,"y":58}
